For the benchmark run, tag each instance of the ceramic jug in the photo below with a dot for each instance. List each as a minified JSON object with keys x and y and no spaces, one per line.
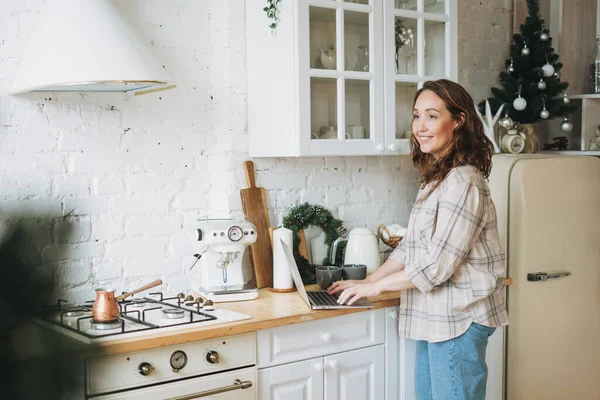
{"x":328,"y":58}
{"x":362,"y":248}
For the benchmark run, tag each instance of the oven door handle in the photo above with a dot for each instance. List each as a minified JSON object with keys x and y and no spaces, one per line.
{"x":237,"y":384}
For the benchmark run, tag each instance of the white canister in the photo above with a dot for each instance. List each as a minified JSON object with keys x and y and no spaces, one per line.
{"x":282,"y":275}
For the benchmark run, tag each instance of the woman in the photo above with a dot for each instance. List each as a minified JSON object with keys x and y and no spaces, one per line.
{"x":449,"y":263}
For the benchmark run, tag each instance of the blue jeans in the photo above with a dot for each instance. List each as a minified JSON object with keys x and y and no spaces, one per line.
{"x":454,"y":369}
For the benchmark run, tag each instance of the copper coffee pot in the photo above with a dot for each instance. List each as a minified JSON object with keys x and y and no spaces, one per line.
{"x":106,"y":307}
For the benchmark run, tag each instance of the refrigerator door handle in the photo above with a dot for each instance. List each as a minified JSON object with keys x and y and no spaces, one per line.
{"x":543,"y":276}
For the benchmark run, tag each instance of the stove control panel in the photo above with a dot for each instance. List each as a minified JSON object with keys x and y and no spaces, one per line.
{"x":129,"y":370}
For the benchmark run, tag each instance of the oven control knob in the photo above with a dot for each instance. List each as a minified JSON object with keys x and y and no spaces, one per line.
{"x":145,"y":369}
{"x":212,"y":357}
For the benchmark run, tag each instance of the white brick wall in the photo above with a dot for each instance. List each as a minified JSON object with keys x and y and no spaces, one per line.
{"x":110,"y":186}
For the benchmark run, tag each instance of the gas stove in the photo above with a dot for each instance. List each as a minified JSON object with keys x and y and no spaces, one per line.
{"x":138,"y":317}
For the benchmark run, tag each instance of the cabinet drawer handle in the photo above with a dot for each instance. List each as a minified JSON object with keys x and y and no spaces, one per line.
{"x":380,"y":147}
{"x":326,"y":337}
{"x":237,"y":384}
{"x":393,"y":147}
{"x":319,"y":367}
{"x":333,"y":364}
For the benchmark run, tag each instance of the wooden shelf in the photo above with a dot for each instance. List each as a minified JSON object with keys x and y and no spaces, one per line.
{"x":572,"y":152}
{"x":585,"y":96}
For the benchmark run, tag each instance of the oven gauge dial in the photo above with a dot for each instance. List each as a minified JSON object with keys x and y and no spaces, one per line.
{"x":178,"y":360}
{"x":235,"y":233}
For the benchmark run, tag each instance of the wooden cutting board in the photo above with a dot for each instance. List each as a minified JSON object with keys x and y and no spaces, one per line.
{"x":254,"y":203}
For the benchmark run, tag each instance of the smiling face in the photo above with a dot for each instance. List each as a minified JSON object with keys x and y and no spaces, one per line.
{"x":433,"y":125}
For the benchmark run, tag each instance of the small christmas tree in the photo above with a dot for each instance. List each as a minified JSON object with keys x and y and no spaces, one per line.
{"x":531,"y":87}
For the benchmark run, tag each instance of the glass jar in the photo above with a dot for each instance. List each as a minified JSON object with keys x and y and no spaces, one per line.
{"x":363,"y":59}
{"x":594,"y":71}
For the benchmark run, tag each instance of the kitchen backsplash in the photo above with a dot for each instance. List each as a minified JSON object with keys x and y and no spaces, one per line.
{"x":109,"y":187}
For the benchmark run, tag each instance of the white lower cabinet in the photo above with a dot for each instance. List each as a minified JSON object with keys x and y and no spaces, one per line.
{"x":347,"y":357}
{"x":352,"y":375}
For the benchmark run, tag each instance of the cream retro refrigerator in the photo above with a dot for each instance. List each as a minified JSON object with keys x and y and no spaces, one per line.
{"x":549,"y":219}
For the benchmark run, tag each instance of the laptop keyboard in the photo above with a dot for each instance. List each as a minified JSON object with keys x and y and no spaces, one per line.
{"x":323,"y":298}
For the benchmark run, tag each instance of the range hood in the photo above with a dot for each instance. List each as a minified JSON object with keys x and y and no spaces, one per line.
{"x":87,"y":46}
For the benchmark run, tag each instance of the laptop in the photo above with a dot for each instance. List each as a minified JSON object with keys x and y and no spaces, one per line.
{"x":317,"y":300}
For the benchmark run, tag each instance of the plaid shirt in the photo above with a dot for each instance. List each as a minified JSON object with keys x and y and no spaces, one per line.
{"x":452,"y":254}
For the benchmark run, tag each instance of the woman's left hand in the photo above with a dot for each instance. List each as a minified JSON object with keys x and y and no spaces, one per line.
{"x":352,"y":294}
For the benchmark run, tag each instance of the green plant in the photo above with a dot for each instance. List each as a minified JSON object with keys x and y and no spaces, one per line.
{"x":271,"y":10}
{"x":301,"y":217}
{"x":533,"y":74}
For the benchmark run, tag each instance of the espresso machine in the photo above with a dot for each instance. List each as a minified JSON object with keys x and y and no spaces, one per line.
{"x":224,"y":266}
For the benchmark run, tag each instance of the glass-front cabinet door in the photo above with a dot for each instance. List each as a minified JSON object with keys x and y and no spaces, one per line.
{"x":338,"y":77}
{"x":341,"y":77}
{"x":419,"y":44}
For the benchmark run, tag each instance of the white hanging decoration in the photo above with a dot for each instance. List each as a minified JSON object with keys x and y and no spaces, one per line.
{"x":543,"y":35}
{"x":511,"y":67}
{"x":541,"y":84}
{"x":489,"y":122}
{"x":566,"y":99}
{"x":525,"y":50}
{"x":566,"y":125}
{"x":520,"y":103}
{"x":544,"y":114}
{"x":506,"y":122}
{"x":547,"y":69}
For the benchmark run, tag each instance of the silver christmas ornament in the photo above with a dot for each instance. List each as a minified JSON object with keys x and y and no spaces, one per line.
{"x":566,"y":125}
{"x":557,"y":75}
{"x":511,"y":69}
{"x":544,"y":114}
{"x":520,"y":103}
{"x":541,"y":84}
{"x":548,"y":70}
{"x":506,"y":122}
{"x":544,"y":36}
{"x":525,"y":50}
{"x":566,"y":99}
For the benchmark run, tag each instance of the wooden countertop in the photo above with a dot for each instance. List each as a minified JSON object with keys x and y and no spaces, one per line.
{"x":268,"y":310}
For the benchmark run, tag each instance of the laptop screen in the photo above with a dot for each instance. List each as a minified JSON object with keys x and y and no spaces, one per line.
{"x":295,"y":273}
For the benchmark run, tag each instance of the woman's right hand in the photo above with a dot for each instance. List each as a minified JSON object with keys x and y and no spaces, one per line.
{"x":338,"y":286}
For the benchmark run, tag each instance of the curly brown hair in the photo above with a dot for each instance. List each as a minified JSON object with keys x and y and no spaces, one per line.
{"x":469,"y":145}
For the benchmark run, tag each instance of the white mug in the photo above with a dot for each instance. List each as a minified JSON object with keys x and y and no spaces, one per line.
{"x":356,"y":131}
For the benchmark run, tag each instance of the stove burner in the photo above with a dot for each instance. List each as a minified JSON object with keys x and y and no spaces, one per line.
{"x":138,"y":303}
{"x":173,"y":313}
{"x":72,"y":311}
{"x":105,"y":326}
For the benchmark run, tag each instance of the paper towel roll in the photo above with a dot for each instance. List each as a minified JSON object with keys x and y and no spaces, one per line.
{"x":282,"y":277}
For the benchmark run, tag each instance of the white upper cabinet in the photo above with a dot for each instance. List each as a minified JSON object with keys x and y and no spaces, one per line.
{"x":335,"y":79}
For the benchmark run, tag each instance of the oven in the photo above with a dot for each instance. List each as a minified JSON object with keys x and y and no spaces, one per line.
{"x":236,"y":385}
{"x":203,"y":368}
{"x":217,"y":368}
